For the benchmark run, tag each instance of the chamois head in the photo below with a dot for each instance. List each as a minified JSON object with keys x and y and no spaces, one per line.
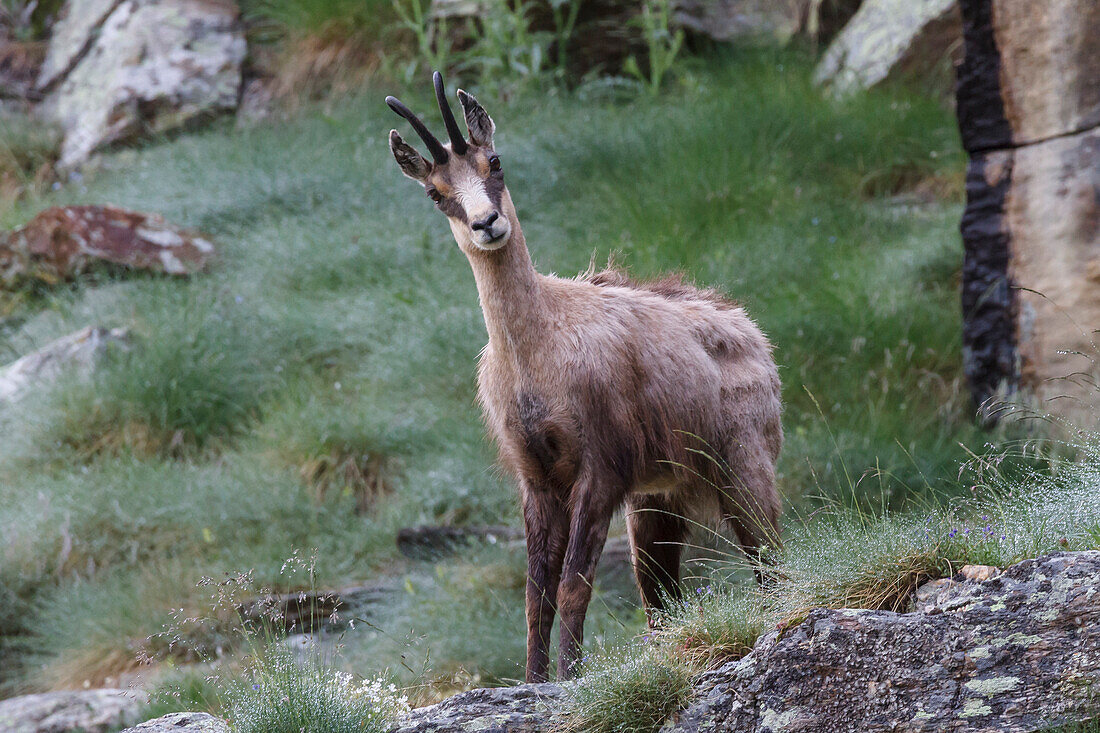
{"x":463,"y":178}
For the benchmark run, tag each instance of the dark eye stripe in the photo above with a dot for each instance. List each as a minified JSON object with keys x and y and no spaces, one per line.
{"x":451,"y":208}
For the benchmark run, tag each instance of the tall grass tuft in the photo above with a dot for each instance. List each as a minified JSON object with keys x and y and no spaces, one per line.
{"x":197,"y":373}
{"x":848,"y":561}
{"x":627,"y":692}
{"x":715,"y":623}
{"x":280,"y":695}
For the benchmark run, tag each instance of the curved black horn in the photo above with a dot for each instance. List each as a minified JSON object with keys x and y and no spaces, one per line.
{"x":439,"y":153}
{"x":458,"y":143}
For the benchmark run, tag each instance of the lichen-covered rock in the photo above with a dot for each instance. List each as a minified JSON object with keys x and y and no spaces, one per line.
{"x":89,"y":711}
{"x":1016,"y":652}
{"x":71,"y":36}
{"x":149,"y":65}
{"x":77,"y":351}
{"x":63,"y":241}
{"x":523,"y":709}
{"x":182,"y":723}
{"x":889,"y":37}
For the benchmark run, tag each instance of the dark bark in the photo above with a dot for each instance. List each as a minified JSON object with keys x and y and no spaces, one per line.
{"x":981,"y":109}
{"x":990,"y":355}
{"x":989,"y":304}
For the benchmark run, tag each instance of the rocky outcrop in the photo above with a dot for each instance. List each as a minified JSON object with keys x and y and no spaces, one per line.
{"x":89,"y":711}
{"x":63,"y":241}
{"x":1016,"y":652}
{"x":1029,"y":113}
{"x":182,"y":723}
{"x":889,"y":38}
{"x":116,"y":68}
{"x":76,"y":352}
{"x":523,"y":709}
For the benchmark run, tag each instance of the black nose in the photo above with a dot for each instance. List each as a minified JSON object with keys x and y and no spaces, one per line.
{"x":484,"y":223}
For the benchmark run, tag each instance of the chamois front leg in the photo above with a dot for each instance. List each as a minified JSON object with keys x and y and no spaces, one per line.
{"x":591,"y":517}
{"x":546,"y":524}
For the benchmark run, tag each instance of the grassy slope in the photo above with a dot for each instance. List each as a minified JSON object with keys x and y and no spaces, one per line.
{"x":340,"y":319}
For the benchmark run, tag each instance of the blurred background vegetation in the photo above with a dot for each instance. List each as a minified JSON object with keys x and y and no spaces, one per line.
{"x":315,"y":391}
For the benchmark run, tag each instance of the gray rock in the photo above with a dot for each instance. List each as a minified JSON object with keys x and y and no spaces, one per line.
{"x":888,"y":37}
{"x":89,"y":711}
{"x":1016,"y":652}
{"x":182,"y":723}
{"x":76,"y":352}
{"x":147,"y":65}
{"x":522,"y":709}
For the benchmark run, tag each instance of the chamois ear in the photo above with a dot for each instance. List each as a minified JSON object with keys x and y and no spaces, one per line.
{"x":478,"y":121}
{"x":411,"y":162}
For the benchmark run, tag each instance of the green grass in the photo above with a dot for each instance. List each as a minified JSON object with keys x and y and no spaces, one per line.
{"x":24,"y":20}
{"x":1087,"y":726}
{"x":28,"y":150}
{"x":183,"y":691}
{"x":325,"y":18}
{"x":340,"y":324}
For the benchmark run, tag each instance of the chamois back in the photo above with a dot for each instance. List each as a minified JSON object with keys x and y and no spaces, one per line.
{"x":672,"y":286}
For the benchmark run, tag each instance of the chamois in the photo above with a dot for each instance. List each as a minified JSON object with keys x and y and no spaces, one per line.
{"x":600,"y":393}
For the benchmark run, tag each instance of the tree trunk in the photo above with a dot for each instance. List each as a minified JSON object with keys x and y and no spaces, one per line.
{"x":1029,"y":113}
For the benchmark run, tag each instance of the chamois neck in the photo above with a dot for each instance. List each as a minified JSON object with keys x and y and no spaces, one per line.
{"x":509,"y":289}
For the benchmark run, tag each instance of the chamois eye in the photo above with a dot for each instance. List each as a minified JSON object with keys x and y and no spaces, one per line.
{"x":435,"y":195}
{"x":494,"y":163}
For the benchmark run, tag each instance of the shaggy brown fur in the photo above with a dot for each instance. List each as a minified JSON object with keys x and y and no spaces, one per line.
{"x":604,"y":393}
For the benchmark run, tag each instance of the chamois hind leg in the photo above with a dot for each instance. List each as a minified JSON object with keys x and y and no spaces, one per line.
{"x":546,"y":524}
{"x":593,"y":504}
{"x":750,"y":504}
{"x":656,"y":534}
